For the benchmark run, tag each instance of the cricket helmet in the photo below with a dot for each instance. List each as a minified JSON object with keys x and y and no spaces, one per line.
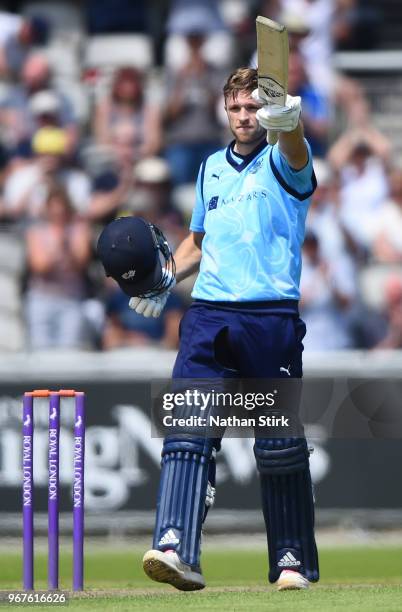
{"x":137,"y":256}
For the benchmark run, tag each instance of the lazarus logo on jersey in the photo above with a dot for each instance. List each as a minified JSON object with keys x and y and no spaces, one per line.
{"x":213,"y":203}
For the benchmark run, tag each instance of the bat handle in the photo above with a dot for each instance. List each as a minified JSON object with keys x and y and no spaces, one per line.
{"x":272,"y":137}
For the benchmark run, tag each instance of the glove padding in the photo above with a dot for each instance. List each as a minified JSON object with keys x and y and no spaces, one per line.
{"x":153,"y":306}
{"x":276,"y":117}
{"x":149,"y":307}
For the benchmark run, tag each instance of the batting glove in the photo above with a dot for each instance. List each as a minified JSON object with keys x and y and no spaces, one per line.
{"x":153,"y":306}
{"x":276,"y":117}
{"x":149,"y":307}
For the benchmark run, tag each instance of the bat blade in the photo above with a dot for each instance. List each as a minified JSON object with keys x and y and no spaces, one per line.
{"x":273,"y":53}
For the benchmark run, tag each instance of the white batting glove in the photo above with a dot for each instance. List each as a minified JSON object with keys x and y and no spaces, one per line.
{"x":276,"y":117}
{"x":149,"y":307}
{"x":153,"y":306}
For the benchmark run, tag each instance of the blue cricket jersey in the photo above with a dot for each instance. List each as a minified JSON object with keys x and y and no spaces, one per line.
{"x":252,"y":209}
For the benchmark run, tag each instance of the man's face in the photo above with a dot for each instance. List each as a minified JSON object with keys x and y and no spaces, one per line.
{"x":50,"y":163}
{"x":241,"y":111}
{"x":35,"y":73}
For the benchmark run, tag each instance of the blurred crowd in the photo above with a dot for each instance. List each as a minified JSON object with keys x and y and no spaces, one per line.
{"x":108,"y":108}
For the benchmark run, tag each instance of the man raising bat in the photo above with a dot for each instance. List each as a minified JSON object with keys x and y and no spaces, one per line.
{"x":246,"y":234}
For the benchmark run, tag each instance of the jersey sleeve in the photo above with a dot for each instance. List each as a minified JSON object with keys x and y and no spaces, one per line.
{"x":299,"y":183}
{"x":197,"y":218}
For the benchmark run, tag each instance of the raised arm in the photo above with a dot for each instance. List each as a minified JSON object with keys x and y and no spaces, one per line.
{"x":293,"y":147}
{"x":342,"y":149}
{"x":285,"y":120}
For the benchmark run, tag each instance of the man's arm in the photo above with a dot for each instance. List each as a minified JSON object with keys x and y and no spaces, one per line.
{"x":341,"y":151}
{"x":188,"y":255}
{"x":285,"y":120}
{"x":293,"y":147}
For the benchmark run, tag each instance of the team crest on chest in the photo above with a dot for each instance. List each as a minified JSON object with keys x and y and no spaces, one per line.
{"x":254,"y":169}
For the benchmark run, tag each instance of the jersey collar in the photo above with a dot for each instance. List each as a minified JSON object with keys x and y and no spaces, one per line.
{"x":232,"y":157}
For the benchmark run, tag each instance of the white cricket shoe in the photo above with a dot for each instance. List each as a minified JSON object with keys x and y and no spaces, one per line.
{"x":167,"y":567}
{"x":289,"y":580}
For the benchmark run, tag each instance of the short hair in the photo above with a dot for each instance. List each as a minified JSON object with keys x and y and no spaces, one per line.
{"x":242,"y":79}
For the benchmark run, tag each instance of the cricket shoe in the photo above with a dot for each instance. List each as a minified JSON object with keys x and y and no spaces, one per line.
{"x":167,"y":567}
{"x":289,"y":580}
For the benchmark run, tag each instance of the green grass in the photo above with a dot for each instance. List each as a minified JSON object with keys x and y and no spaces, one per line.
{"x":360,"y":579}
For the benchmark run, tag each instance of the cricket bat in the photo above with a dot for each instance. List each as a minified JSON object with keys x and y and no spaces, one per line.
{"x":273,"y":52}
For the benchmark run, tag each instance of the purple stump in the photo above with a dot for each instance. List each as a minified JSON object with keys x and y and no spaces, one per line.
{"x":27,"y":493}
{"x":53,"y":491}
{"x":78,"y":493}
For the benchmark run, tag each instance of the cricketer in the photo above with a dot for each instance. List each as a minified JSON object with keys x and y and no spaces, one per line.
{"x":246,"y":234}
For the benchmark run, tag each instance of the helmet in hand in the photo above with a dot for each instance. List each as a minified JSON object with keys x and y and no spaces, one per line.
{"x":137,"y":255}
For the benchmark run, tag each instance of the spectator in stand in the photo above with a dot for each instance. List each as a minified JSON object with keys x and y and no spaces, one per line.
{"x":142,"y":189}
{"x":316,"y":108}
{"x":26,"y":188}
{"x":190,"y":115}
{"x":327,"y":295}
{"x":58,"y":253}
{"x":361,"y":156}
{"x":34,"y":103}
{"x":151,"y":198}
{"x":386,"y":224}
{"x":124,"y":327}
{"x":328,"y":24}
{"x":112,"y":185}
{"x":187,"y":16}
{"x":126,"y":103}
{"x":17,"y":36}
{"x":127,"y":186}
{"x":309,"y":23}
{"x":357,"y":26}
{"x":392,"y":314}
{"x":323,"y":215}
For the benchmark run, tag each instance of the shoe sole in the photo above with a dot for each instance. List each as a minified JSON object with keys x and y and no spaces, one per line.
{"x":290,"y":585}
{"x":157,"y":569}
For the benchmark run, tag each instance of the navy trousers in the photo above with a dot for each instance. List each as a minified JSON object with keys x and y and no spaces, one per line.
{"x":245,"y":343}
{"x":226,"y":342}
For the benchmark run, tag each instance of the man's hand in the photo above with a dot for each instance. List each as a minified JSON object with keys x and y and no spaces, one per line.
{"x":149,"y":307}
{"x":153,"y":306}
{"x":278,"y":118}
